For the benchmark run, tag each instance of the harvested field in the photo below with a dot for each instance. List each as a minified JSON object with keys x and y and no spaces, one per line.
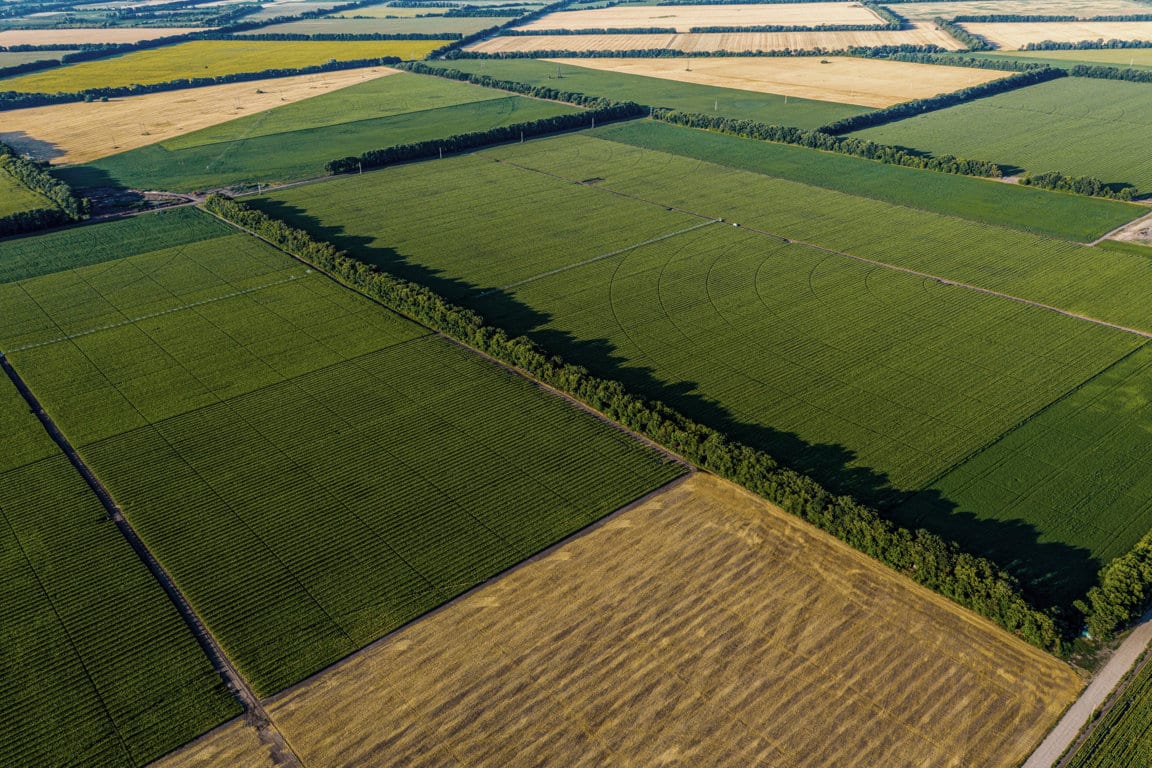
{"x":866,"y":82}
{"x":1081,"y":8}
{"x":208,"y":58}
{"x":235,"y":745}
{"x":84,"y":131}
{"x":730,"y":41}
{"x":1136,"y":58}
{"x":1017,"y":35}
{"x":432,"y":25}
{"x":702,"y":627}
{"x":109,"y":35}
{"x":684,"y":17}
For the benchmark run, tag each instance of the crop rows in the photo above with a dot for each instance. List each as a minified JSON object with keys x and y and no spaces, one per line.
{"x":80,"y":246}
{"x":871,"y":378}
{"x":312,"y":469}
{"x":1123,"y":737}
{"x":1081,"y":127}
{"x":98,"y":668}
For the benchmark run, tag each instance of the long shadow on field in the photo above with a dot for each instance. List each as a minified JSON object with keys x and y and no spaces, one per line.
{"x":24,"y":143}
{"x":1053,"y":574}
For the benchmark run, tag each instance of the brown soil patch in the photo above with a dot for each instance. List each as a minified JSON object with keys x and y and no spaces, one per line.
{"x":683,"y":17}
{"x":1017,"y":35}
{"x":234,"y":744}
{"x":85,"y":131}
{"x":114,"y":35}
{"x":703,"y":627}
{"x":866,"y":82}
{"x":729,"y":41}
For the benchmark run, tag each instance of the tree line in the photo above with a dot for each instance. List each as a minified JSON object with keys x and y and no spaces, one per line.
{"x":607,"y":112}
{"x":595,"y":31}
{"x":792,"y":28}
{"x":1008,"y":18}
{"x":971,"y":581}
{"x":66,"y":206}
{"x":971,"y":42}
{"x":865,"y":52}
{"x":1101,"y":72}
{"x":1087,"y":45}
{"x":336,"y":36}
{"x":1123,"y":592}
{"x":19,"y":100}
{"x":818,"y":139}
{"x":892,"y":19}
{"x":1079,"y":185}
{"x":919,"y":106}
{"x":955,"y":60}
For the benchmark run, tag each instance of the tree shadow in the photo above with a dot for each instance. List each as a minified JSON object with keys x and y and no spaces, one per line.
{"x":1052,"y":573}
{"x":25,"y":144}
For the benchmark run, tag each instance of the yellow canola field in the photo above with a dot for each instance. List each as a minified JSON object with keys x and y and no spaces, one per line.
{"x":209,"y":58}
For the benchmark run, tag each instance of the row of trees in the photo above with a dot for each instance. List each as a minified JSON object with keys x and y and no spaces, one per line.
{"x":1004,"y":18}
{"x":919,"y":106}
{"x":66,"y":206}
{"x":19,"y":100}
{"x":924,"y":557}
{"x":1079,"y":185}
{"x":866,"y":52}
{"x":793,"y":28}
{"x":1123,"y":592}
{"x":1111,"y":73}
{"x":892,"y":19}
{"x":337,"y":36}
{"x":953,"y":60}
{"x":419,"y":150}
{"x":595,"y":31}
{"x":971,"y":42}
{"x":818,"y":139}
{"x":1087,"y":45}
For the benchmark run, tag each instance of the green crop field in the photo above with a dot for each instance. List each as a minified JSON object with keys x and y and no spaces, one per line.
{"x":1077,"y":126}
{"x":15,"y":197}
{"x":312,"y":469}
{"x":1036,"y":210}
{"x":295,"y":141}
{"x":432,"y":25}
{"x":208,"y":58}
{"x":658,"y":92}
{"x":98,"y":668}
{"x":25,"y":257}
{"x":871,"y":378}
{"x":1123,"y":737}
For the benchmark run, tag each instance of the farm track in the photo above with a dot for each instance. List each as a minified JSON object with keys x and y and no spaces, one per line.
{"x":1123,"y":227}
{"x":257,"y":717}
{"x":874,"y":262}
{"x":1057,"y":749}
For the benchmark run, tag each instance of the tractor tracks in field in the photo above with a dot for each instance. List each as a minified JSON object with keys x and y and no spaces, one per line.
{"x":255,"y":714}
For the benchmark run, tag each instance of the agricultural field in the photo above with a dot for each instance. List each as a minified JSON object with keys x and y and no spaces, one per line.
{"x":279,"y":8}
{"x":15,"y":197}
{"x":235,"y":744}
{"x":1017,"y":35}
{"x":14,"y":58}
{"x":98,"y":667}
{"x":85,"y":36}
{"x":603,"y":651}
{"x":907,"y":378}
{"x":867,"y":82}
{"x":1137,"y":58}
{"x":715,"y":41}
{"x":32,"y":256}
{"x":1008,"y":205}
{"x":950,"y":9}
{"x":587,"y":78}
{"x":683,"y":18}
{"x":79,"y":132}
{"x":1078,"y":126}
{"x":295,"y":141}
{"x":1085,"y":453}
{"x":208,"y":58}
{"x":432,"y":25}
{"x":312,"y":469}
{"x":1123,"y":737}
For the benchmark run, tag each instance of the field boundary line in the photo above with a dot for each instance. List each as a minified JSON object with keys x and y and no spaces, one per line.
{"x":602,"y":256}
{"x":1134,"y":223}
{"x":161,"y":313}
{"x":282,"y":753}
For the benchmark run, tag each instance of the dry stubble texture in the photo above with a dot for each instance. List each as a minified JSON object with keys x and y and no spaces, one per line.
{"x":1016,"y":35}
{"x":701,"y":628}
{"x":82,"y":36}
{"x":683,"y":18}
{"x":234,"y":744}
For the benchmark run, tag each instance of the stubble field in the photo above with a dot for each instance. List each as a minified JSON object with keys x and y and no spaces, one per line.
{"x":683,"y":17}
{"x":1018,"y":34}
{"x":86,"y":36}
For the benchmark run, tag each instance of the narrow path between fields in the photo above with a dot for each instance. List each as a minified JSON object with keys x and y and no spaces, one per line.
{"x":1104,"y":682}
{"x":1147,"y":218}
{"x":874,"y":262}
{"x":257,"y":717}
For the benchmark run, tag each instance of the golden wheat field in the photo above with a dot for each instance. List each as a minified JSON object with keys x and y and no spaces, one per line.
{"x":683,"y":17}
{"x":728,"y":41}
{"x":82,"y":131}
{"x":867,"y":82}
{"x":700,"y":627}
{"x":233,"y":745}
{"x":1018,"y":34}
{"x":82,"y":36}
{"x":209,"y":58}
